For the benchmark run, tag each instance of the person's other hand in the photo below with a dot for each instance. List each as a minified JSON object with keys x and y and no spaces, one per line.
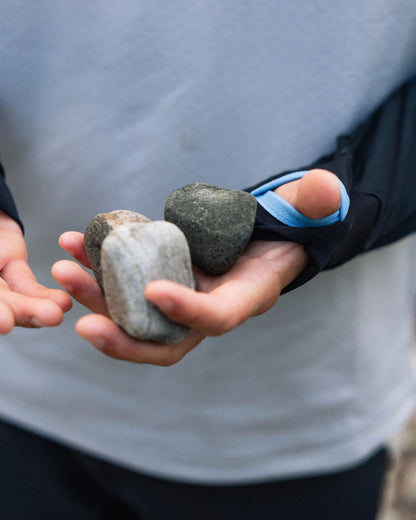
{"x":222,"y":303}
{"x":23,"y":301}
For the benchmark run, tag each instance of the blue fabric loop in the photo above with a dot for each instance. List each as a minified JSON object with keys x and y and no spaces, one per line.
{"x":286,"y":213}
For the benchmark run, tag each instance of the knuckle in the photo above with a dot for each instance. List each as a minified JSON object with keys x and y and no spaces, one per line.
{"x":225,"y":324}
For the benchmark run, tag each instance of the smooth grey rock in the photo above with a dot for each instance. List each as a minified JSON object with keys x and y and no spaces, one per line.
{"x":217,"y":223}
{"x":98,"y":228}
{"x":133,"y":255}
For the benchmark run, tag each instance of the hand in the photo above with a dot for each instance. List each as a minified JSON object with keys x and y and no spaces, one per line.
{"x":23,"y":301}
{"x":250,"y":288}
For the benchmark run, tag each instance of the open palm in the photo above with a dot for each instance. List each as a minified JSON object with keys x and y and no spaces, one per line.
{"x":222,"y":303}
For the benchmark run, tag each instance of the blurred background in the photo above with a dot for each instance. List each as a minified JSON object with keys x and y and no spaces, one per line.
{"x":399,"y":496}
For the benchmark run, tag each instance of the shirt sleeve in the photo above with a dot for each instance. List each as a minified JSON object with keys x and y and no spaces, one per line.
{"x":376,"y":165}
{"x":6,"y":199}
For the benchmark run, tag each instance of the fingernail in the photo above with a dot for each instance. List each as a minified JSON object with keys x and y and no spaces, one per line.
{"x":35,"y":322}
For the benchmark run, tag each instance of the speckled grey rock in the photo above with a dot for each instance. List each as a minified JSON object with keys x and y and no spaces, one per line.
{"x":132,"y":255}
{"x":217,"y":223}
{"x":98,"y":228}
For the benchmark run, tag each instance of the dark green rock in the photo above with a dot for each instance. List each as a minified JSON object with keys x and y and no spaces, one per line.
{"x":98,"y":228}
{"x":217,"y":223}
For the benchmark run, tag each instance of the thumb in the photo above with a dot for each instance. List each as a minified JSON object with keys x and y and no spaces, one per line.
{"x":317,"y":194}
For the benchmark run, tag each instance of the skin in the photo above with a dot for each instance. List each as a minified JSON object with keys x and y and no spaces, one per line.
{"x":250,"y":288}
{"x":23,"y":301}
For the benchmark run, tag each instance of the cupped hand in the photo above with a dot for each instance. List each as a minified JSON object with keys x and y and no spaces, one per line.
{"x":222,"y":303}
{"x":23,"y":301}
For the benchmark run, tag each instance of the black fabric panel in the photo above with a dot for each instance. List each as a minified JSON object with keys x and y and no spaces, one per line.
{"x":6,"y":200}
{"x":327,"y":246}
{"x":384,"y":152}
{"x":377,"y":165}
{"x":364,"y":209}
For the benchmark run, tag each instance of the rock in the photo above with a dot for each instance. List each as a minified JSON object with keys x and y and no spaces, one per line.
{"x":132,"y":255}
{"x":98,"y":228}
{"x":217,"y":223}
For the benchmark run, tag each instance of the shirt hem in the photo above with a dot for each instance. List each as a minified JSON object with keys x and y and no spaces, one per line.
{"x":340,"y":456}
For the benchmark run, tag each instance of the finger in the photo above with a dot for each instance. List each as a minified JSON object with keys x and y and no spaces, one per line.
{"x":30,"y":312}
{"x":250,"y":288}
{"x":317,"y":194}
{"x":80,"y":285}
{"x":20,"y":279}
{"x":212,"y":313}
{"x":107,"y":337}
{"x":6,"y":318}
{"x":73,"y":243}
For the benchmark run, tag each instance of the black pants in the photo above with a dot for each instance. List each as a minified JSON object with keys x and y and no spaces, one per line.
{"x":41,"y":479}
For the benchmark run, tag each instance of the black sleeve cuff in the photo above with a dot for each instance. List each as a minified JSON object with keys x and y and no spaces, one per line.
{"x":331,"y":245}
{"x":6,"y":200}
